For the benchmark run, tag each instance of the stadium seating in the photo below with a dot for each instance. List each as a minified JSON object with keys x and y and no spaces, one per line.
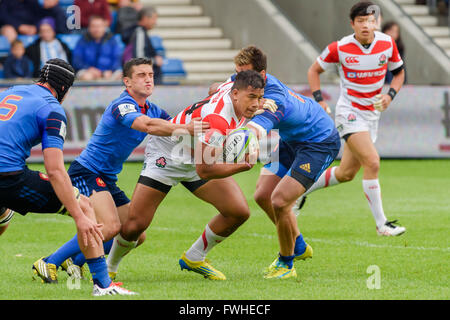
{"x":65,"y":3}
{"x":27,"y":40}
{"x":2,"y":74}
{"x":4,"y":47}
{"x":69,"y":39}
{"x":173,"y":71}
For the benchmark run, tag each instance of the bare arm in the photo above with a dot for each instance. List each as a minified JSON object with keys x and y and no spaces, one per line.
{"x":206,"y":165}
{"x":314,"y":82}
{"x":161,"y":127}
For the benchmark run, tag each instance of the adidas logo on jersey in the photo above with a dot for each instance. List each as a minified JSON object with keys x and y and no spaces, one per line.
{"x":306,"y":167}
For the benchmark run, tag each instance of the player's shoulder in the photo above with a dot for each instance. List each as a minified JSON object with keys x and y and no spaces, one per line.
{"x":380,"y":36}
{"x":123,"y":105}
{"x":347,"y":40}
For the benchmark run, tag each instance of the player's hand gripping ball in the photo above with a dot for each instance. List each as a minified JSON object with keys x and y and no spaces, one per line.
{"x":238,"y":144}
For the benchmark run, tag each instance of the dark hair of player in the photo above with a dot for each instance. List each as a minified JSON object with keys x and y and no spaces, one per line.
{"x":252,"y":55}
{"x":59,"y":75}
{"x":362,"y":8}
{"x":128,"y":66}
{"x":248,"y":78}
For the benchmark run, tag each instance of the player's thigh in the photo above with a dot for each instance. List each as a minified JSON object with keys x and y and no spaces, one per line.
{"x":144,"y":202}
{"x":349,"y":165}
{"x":362,"y":147}
{"x":104,"y":207}
{"x":265,"y":185}
{"x":287,"y":191}
{"x":225,"y":195}
{"x":123,"y":212}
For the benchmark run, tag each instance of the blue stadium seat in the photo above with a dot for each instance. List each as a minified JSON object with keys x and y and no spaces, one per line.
{"x":27,"y":40}
{"x":157,"y":44}
{"x":4,"y":46}
{"x":173,"y":67}
{"x":2,"y":74}
{"x":69,"y":39}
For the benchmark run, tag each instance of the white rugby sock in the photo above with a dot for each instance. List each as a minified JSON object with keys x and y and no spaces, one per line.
{"x":326,"y":179}
{"x":372,"y":191}
{"x":203,"y":245}
{"x":119,"y":249}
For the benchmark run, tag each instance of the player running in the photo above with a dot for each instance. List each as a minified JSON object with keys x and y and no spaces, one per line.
{"x":124,"y":125}
{"x":309,"y":143}
{"x":207,"y":179}
{"x":31,"y":114}
{"x":363,"y":58}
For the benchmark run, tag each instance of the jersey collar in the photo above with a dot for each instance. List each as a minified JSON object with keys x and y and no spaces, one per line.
{"x":144,"y":108}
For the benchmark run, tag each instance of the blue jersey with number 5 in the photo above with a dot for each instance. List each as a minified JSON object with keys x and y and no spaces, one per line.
{"x":29,"y":115}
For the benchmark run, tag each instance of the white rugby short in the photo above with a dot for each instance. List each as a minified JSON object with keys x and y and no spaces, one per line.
{"x":163,"y":163}
{"x":351,"y":120}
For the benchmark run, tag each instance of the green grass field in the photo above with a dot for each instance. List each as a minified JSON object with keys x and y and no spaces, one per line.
{"x":337,"y":223}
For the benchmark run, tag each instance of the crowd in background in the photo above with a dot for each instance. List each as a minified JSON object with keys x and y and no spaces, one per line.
{"x":98,"y":54}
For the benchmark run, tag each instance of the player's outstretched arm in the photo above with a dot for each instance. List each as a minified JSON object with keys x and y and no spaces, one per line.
{"x":161,"y":127}
{"x":208,"y":166}
{"x":54,"y":165}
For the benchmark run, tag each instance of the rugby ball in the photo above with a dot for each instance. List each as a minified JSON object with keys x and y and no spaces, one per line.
{"x":238,"y":143}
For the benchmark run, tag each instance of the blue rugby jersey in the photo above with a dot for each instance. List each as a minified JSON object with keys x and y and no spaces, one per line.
{"x":29,"y":115}
{"x":298,"y":118}
{"x":113,"y":139}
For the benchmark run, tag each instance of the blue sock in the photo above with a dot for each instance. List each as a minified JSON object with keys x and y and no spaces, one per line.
{"x":99,"y":271}
{"x":79,"y":258}
{"x":300,"y":245}
{"x":288,"y":260}
{"x":67,"y":250}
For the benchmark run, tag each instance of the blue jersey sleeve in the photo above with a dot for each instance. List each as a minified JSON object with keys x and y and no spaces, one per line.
{"x":126,"y":113}
{"x":52,"y":124}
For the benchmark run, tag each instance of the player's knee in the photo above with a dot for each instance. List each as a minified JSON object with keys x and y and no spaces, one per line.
{"x":279,"y":203}
{"x":111,"y":229}
{"x":372,"y":164}
{"x":261,"y":196}
{"x":134,"y":228}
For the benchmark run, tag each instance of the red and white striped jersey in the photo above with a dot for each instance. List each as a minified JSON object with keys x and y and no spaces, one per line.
{"x":362,"y":70}
{"x":217,"y":110}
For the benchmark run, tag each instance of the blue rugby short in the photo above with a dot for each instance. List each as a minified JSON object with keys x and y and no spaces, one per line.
{"x":87,"y":181}
{"x":28,"y":191}
{"x":304,"y":161}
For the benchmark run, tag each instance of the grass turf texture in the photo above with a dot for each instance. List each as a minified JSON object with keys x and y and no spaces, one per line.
{"x":337,"y":223}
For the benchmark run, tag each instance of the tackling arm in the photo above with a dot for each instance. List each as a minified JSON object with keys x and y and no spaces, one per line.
{"x":160,"y":127}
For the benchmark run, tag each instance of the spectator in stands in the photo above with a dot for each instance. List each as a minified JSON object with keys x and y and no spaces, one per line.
{"x":138,"y":42}
{"x":90,"y":8}
{"x":97,"y":54}
{"x":17,"y":65}
{"x":127,"y":14}
{"x":393,"y":29}
{"x":23,"y":16}
{"x":47,"y":46}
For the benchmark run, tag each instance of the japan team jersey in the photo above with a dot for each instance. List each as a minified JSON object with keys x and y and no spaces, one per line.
{"x":362,"y":71}
{"x":217,"y":110}
{"x":298,"y":118}
{"x":113,"y":139}
{"x":29,"y":115}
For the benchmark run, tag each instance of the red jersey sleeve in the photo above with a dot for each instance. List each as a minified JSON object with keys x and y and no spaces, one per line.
{"x":215,"y":135}
{"x":395,"y":60}
{"x":329,"y":56}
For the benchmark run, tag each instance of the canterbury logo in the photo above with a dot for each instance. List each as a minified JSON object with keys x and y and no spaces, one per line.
{"x":352,"y":60}
{"x":306,"y":167}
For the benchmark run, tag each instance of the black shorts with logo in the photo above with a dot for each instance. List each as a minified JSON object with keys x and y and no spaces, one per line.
{"x":28,"y":191}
